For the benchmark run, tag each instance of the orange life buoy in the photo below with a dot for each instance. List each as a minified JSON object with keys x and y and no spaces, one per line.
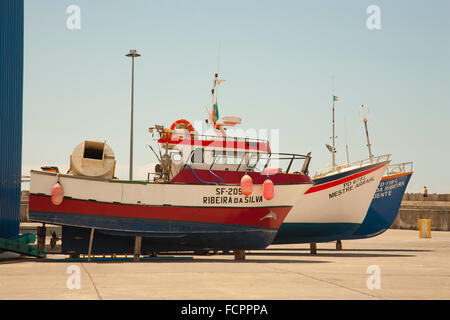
{"x":182,"y":124}
{"x":167,"y":134}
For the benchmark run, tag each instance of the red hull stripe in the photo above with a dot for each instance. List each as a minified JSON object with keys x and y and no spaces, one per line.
{"x":230,"y":215}
{"x":342,"y":180}
{"x":244,"y":145}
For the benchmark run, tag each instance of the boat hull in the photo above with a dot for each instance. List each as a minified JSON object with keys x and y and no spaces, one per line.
{"x":384,"y":207}
{"x":333,"y":208}
{"x":174,"y":216}
{"x":207,"y":227}
{"x":76,"y":240}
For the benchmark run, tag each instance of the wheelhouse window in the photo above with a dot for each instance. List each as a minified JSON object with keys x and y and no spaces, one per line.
{"x":198,"y":156}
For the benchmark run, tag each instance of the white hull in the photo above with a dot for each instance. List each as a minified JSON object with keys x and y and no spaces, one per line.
{"x":158,"y":194}
{"x":344,"y":202}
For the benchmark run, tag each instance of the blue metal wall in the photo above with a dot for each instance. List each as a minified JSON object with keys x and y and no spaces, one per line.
{"x":11,"y":86}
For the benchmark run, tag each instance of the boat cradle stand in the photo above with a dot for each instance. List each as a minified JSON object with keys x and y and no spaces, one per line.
{"x":313,"y":246}
{"x":137,"y":246}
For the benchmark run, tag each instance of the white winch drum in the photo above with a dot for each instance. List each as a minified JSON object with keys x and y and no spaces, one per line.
{"x":92,"y":158}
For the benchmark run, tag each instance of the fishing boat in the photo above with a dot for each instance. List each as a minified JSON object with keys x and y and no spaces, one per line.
{"x":336,"y":205}
{"x":386,"y":202}
{"x":195,"y":200}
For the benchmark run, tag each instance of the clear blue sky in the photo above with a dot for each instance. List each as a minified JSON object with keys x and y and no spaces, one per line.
{"x":278,"y":58}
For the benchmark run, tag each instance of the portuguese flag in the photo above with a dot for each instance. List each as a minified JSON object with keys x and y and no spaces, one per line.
{"x":335,"y":98}
{"x":215,"y":112}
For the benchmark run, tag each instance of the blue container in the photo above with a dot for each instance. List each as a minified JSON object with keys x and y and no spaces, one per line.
{"x":11,"y":87}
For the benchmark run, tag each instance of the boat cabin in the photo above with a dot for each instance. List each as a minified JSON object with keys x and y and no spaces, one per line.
{"x":187,"y":149}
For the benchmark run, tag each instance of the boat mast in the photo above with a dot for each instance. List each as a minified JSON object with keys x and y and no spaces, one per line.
{"x":364,"y":117}
{"x":346,"y":144}
{"x":333,"y":152}
{"x":216,"y":83}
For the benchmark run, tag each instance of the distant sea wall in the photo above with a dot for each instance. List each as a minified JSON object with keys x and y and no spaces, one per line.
{"x":414,"y":207}
{"x":431,"y":197}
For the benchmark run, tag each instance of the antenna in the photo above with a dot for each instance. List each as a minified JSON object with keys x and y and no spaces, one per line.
{"x":364,"y":113}
{"x":346,"y":144}
{"x":159,"y":159}
{"x":218,"y":59}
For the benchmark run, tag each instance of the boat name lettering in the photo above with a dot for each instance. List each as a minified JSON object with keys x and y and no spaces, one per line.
{"x":350,"y":186}
{"x":232,"y":200}
{"x":228,"y":191}
{"x":385,"y":188}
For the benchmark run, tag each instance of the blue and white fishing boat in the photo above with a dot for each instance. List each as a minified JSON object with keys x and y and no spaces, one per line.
{"x":336,"y":205}
{"x":386,"y":202}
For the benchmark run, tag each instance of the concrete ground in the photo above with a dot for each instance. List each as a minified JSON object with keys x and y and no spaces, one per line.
{"x":403,"y":265}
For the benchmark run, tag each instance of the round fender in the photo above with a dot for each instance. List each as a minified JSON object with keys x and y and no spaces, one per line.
{"x":57,"y":194}
{"x":268,"y":189}
{"x":246,"y":185}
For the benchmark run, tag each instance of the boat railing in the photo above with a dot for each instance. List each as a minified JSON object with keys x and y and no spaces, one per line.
{"x":399,"y":168}
{"x":355,"y":164}
{"x":253,"y":160}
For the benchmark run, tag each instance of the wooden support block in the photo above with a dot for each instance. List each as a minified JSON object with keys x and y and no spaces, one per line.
{"x":91,"y":239}
{"x":239,"y":255}
{"x":137,"y":248}
{"x":338,"y":245}
{"x":313,"y":248}
{"x":41,"y":232}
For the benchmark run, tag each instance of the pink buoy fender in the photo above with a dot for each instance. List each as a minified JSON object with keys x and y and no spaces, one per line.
{"x":246,"y":185}
{"x":268,"y":189}
{"x":57,"y":194}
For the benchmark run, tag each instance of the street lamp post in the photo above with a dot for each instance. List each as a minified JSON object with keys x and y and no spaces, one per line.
{"x":132,"y":54}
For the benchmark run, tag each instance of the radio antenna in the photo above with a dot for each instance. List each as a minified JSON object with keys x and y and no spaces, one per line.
{"x":364,"y":113}
{"x":346,"y":143}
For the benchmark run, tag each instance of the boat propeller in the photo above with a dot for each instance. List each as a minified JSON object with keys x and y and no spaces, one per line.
{"x":54,"y":239}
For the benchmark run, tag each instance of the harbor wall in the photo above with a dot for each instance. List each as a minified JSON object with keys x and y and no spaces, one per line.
{"x":414,"y":207}
{"x":430,"y":197}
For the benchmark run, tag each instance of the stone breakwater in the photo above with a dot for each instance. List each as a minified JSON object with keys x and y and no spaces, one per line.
{"x":414,"y":207}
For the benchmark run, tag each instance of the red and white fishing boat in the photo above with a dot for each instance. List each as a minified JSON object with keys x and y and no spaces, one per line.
{"x":198,"y":199}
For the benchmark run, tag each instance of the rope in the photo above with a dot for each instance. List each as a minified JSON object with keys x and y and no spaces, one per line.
{"x":216,"y":176}
{"x":202,"y":181}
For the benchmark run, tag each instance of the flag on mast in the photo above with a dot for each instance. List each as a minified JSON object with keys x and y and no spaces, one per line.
{"x":335,"y":98}
{"x":215,"y":112}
